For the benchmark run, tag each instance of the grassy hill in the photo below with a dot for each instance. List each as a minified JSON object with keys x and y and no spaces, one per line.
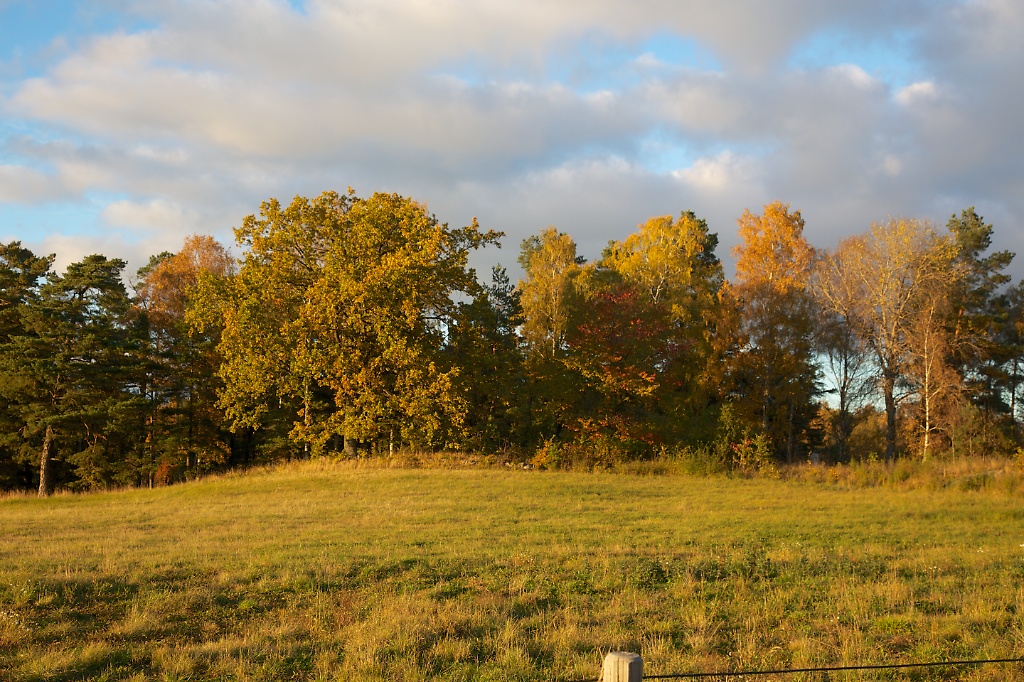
{"x":320,"y":571}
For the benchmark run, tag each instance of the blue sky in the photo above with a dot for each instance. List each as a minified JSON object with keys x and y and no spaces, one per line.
{"x":126,"y":126}
{"x":888,"y":57}
{"x":34,"y":34}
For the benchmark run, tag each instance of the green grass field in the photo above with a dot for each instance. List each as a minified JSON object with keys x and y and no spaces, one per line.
{"x":320,"y":571}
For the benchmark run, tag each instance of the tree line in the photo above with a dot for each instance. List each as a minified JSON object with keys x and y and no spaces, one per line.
{"x":352,"y":326}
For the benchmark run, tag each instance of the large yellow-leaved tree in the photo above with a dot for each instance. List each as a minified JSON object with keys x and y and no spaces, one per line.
{"x":340,"y":309}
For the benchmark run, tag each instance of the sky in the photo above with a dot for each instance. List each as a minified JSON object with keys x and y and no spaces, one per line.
{"x":126,"y":126}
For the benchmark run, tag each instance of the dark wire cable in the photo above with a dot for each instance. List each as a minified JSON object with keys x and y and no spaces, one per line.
{"x":841,"y":668}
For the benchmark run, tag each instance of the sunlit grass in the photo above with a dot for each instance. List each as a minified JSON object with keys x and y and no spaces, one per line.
{"x":321,"y":572}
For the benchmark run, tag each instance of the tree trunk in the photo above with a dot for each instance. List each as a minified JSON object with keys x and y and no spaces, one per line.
{"x":45,"y":484}
{"x":843,"y":439}
{"x":888,"y":387}
{"x":1013,"y":395}
{"x":765,"y":405}
{"x":926,"y":399}
{"x":843,"y":432}
{"x":349,"y":446}
{"x":790,"y":436}
{"x":927,"y":389}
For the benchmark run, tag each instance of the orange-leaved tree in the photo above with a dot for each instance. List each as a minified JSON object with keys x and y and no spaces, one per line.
{"x":185,"y":427}
{"x":774,"y":371}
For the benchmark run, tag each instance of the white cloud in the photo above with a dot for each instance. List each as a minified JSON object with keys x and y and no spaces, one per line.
{"x":475,"y":107}
{"x":24,"y":185}
{"x":853,"y":75}
{"x":73,"y":248}
{"x":717,"y":174}
{"x":922,"y":92}
{"x":153,"y":215}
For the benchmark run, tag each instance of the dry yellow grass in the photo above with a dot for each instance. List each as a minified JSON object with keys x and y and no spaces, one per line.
{"x":323,"y":571}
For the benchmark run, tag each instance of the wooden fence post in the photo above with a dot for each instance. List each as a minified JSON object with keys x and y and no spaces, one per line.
{"x":622,"y":666}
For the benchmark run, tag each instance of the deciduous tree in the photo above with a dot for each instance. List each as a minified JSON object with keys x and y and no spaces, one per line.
{"x":551,"y":290}
{"x":775,"y":368}
{"x":267,"y":379}
{"x":845,"y":359}
{"x":934,"y":382}
{"x":1012,"y":339}
{"x":881,"y":283}
{"x":185,"y":428}
{"x":668,"y":276}
{"x":339,"y":310}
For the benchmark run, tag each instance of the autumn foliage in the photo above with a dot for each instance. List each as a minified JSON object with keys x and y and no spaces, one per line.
{"x":349,"y":326}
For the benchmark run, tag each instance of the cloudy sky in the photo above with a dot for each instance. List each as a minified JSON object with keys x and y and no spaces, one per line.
{"x":127,"y":125}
